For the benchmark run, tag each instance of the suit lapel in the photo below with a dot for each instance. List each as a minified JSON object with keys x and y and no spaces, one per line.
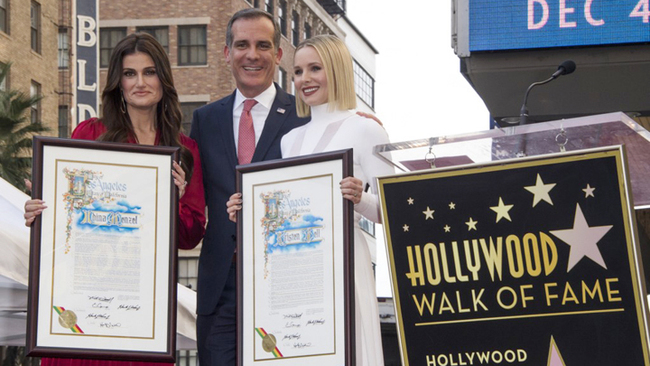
{"x":223,"y":121}
{"x":277,"y":117}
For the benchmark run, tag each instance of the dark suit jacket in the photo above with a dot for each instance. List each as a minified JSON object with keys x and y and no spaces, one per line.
{"x":212,"y":129}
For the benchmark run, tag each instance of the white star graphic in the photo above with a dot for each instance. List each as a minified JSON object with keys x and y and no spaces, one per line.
{"x":471,"y":224}
{"x":540,"y":190}
{"x":583,"y":240}
{"x":405,"y":227}
{"x":447,"y":228}
{"x":589,"y":191}
{"x":410,"y":201}
{"x":452,"y":206}
{"x":428,"y":214}
{"x":502,"y":210}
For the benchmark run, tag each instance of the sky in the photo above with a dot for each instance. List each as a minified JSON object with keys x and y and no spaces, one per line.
{"x":419,"y":90}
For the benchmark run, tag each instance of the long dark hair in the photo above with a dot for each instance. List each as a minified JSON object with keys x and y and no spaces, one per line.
{"x":168,"y":111}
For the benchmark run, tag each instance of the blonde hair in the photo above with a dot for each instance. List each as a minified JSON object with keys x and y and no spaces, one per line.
{"x":337,"y":64}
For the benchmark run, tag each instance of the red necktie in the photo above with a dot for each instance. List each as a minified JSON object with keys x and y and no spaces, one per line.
{"x":246,"y":143}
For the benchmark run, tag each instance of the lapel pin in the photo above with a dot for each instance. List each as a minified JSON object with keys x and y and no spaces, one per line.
{"x":281,"y":110}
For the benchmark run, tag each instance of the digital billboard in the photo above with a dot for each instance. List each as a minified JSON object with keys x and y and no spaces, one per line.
{"x":508,"y":25}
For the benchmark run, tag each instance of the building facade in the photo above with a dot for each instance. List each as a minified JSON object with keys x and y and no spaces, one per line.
{"x":28,"y":40}
{"x":37,"y":38}
{"x":194,"y":35}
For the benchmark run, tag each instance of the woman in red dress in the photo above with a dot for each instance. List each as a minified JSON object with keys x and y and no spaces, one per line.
{"x":140,"y":106}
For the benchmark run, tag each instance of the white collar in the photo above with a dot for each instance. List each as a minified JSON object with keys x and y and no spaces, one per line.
{"x":321,"y":113}
{"x":265,"y":98}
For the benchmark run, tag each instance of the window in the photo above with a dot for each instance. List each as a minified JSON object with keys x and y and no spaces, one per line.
{"x":282,"y":16}
{"x":108,"y":38}
{"x":282,"y":78}
{"x":187,"y":275}
{"x":187,"y":109}
{"x":256,"y":3}
{"x":63,"y":121}
{"x":364,"y":85}
{"x":35,"y":25}
{"x":294,"y":28}
{"x":64,"y":48}
{"x":35,"y":91}
{"x":161,"y":34}
{"x":307,"y":31}
{"x":4,"y":16}
{"x":367,"y":226}
{"x":192,"y":45}
{"x":268,"y":6}
{"x":188,"y":271}
{"x":187,"y":358}
{"x":4,"y":82}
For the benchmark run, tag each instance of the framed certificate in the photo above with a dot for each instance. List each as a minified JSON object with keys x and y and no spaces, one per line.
{"x":102,"y":281}
{"x":295,"y":262}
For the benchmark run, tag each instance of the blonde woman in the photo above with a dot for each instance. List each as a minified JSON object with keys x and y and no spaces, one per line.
{"x":324,"y":81}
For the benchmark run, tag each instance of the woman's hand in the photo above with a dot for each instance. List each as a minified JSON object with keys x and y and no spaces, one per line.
{"x":352,"y":189}
{"x":233,"y":206}
{"x":179,"y":179}
{"x":33,"y":208}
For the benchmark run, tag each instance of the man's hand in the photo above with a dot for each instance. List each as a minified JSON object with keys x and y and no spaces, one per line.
{"x":371,"y":116}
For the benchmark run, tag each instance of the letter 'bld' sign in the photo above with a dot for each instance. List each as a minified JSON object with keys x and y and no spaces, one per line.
{"x":525,"y":262}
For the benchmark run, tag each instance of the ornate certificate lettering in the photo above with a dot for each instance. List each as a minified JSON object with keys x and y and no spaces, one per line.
{"x":294,"y":241}
{"x":103,"y":260}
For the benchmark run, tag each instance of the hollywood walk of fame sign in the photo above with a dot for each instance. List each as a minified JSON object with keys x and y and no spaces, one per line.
{"x":530,"y":261}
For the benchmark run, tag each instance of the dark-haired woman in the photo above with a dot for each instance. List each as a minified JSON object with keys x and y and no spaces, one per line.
{"x":140,"y":106}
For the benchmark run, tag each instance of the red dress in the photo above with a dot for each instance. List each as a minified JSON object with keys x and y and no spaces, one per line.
{"x":191,"y":227}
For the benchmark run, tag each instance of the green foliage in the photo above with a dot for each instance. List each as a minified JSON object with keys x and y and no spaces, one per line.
{"x":16,"y":133}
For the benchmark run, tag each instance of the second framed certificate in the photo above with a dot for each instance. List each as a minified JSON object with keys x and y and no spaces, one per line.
{"x":294,"y":252}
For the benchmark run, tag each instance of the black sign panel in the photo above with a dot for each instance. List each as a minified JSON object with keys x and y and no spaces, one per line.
{"x":526,"y":262}
{"x":86,"y":50}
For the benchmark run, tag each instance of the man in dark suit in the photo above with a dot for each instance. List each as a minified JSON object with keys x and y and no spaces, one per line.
{"x":253,"y":52}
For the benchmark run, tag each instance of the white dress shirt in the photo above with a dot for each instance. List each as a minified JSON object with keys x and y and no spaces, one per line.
{"x":259,"y":112}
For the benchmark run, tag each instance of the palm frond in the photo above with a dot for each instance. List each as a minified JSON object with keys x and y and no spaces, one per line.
{"x":16,"y":133}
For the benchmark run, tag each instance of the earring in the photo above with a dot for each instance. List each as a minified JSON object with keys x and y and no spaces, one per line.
{"x":123,"y":105}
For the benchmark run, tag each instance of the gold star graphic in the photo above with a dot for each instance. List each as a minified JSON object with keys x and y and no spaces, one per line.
{"x":447,"y":228}
{"x":452,"y":206}
{"x":589,"y":191}
{"x":410,"y":201}
{"x":502,"y":210}
{"x":540,"y":191}
{"x":405,"y":227}
{"x":471,"y":224}
{"x":428,"y":214}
